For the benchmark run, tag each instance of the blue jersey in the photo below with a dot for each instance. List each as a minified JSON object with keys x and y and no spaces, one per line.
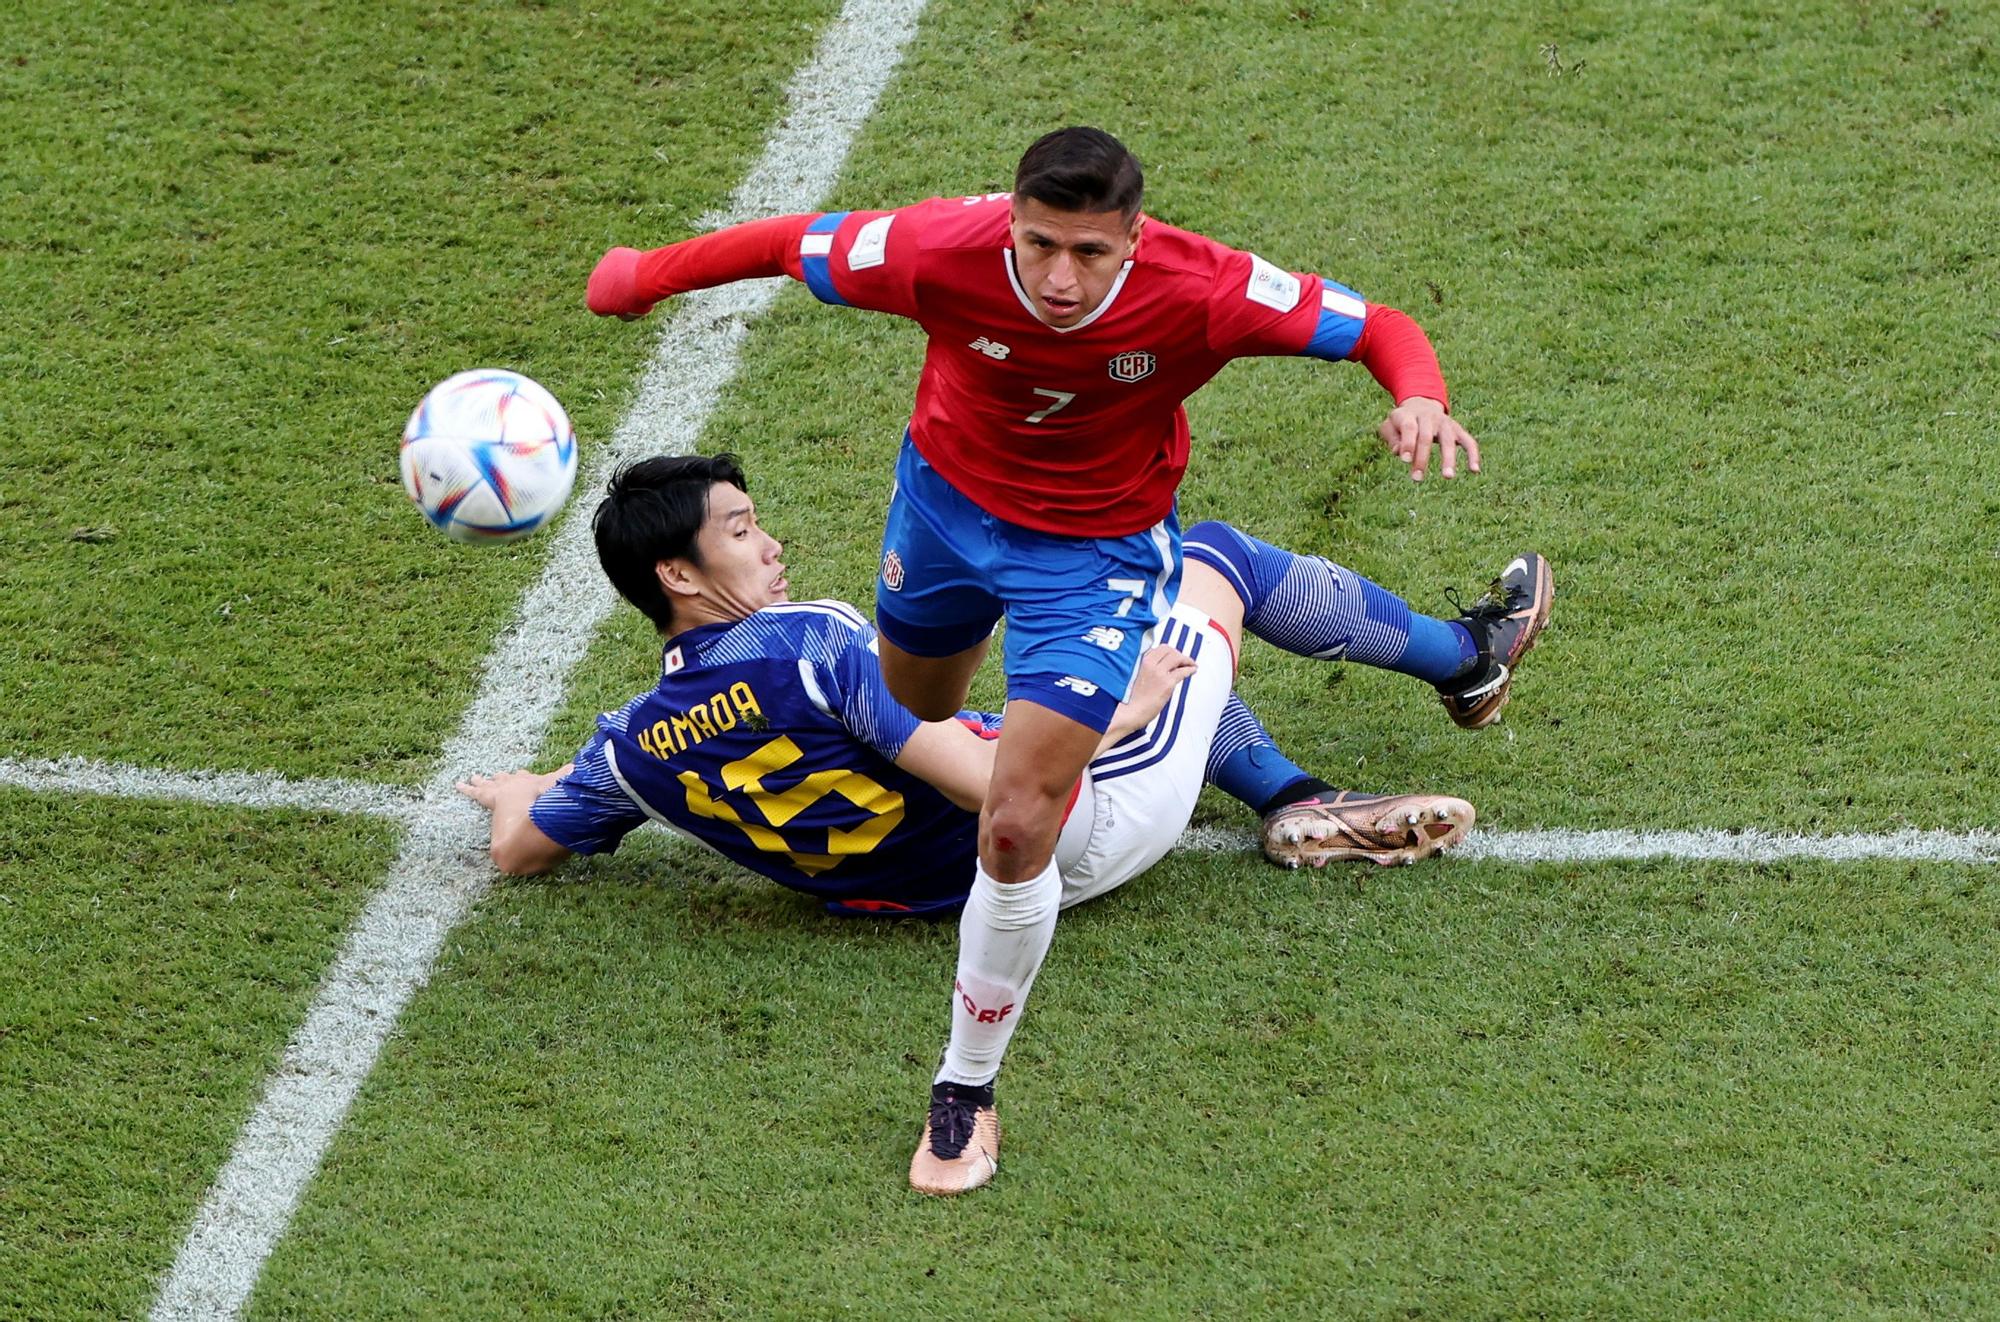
{"x":772,"y":740}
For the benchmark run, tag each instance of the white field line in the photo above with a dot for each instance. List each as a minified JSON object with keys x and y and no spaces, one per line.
{"x":1561,"y":846}
{"x":243,"y":789}
{"x":442,"y":868}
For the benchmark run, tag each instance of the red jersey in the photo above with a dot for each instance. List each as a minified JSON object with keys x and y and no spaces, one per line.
{"x":1077,"y":430}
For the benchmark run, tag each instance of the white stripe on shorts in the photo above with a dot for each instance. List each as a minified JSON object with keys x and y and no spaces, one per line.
{"x":1149,"y":745}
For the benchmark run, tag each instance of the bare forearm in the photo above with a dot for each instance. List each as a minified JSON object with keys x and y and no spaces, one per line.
{"x":1123,"y":722}
{"x":1160,"y":672}
{"x":956,"y":762}
{"x":518,"y":847}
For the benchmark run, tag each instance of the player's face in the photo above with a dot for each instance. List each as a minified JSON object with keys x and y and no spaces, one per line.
{"x":1068,"y":260}
{"x":740,"y":571}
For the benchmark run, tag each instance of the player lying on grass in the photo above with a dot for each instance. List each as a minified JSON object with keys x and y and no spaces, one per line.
{"x":772,"y":738}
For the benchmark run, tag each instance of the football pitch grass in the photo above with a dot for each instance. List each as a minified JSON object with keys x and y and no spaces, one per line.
{"x":1714,"y":284}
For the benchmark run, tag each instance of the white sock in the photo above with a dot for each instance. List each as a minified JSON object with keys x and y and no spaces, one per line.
{"x":1002,"y":937}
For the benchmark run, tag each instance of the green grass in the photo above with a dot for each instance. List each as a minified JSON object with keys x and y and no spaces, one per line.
{"x":158,"y":958}
{"x":1729,"y":355}
{"x":1714,"y":284}
{"x":244,"y":241}
{"x":1474,"y":1091}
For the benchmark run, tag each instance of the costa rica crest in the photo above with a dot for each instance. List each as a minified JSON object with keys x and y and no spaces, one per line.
{"x":892,"y":571}
{"x":1133,"y":365}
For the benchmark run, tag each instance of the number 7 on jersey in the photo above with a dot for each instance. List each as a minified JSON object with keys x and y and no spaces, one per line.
{"x":1061,"y":397}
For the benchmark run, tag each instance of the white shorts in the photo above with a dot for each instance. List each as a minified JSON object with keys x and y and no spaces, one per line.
{"x":1137,"y":797}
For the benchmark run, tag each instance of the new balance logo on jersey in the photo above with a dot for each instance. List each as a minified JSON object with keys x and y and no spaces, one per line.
{"x":1134,"y":366}
{"x":1106,"y":637}
{"x":1079,"y":686}
{"x":992,"y":349}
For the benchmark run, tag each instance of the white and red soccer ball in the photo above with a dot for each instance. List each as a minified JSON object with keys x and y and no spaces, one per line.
{"x":489,"y":456}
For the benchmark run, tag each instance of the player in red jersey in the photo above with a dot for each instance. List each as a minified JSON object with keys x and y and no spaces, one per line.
{"x":1038,"y":474}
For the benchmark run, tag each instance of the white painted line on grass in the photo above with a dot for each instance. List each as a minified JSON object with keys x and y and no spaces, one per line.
{"x":1561,"y":846}
{"x":442,"y":870}
{"x":79,"y":775}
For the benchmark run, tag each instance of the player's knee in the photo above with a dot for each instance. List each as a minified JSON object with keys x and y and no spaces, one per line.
{"x":1230,"y":553}
{"x":1216,"y":541}
{"x":1014,"y":846}
{"x":1210,"y":532}
{"x":931,"y":708}
{"x":1025,"y":821}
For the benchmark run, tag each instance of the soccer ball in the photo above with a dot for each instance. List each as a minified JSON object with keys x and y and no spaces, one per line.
{"x":489,"y":456}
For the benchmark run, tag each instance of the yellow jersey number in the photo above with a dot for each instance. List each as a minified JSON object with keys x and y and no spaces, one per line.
{"x":745,"y":776}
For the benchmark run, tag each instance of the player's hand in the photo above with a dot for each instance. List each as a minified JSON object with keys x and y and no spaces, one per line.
{"x":613,"y":290}
{"x":1160,"y":672}
{"x":1420,"y":422}
{"x":488,"y":791}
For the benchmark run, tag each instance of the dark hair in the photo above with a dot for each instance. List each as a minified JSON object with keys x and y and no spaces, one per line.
{"x":1081,"y":169}
{"x":653,"y":510}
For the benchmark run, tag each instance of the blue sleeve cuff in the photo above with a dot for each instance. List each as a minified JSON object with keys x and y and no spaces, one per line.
{"x":1342,"y":314}
{"x":815,"y":252}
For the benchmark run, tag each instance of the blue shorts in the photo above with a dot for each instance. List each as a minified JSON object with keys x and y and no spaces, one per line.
{"x":1080,"y":611}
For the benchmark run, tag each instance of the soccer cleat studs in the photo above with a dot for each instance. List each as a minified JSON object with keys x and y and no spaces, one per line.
{"x":1377,"y":828}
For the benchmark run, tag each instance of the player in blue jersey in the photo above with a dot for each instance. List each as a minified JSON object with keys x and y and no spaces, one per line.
{"x":772,"y":738}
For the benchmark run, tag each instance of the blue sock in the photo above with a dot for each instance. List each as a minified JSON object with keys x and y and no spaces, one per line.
{"x":1245,"y":763}
{"x":1312,"y":607}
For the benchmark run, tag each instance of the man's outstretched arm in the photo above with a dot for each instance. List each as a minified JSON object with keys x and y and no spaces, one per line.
{"x":519,"y":847}
{"x":862,"y":259}
{"x":628,"y":282}
{"x":1281,"y":312}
